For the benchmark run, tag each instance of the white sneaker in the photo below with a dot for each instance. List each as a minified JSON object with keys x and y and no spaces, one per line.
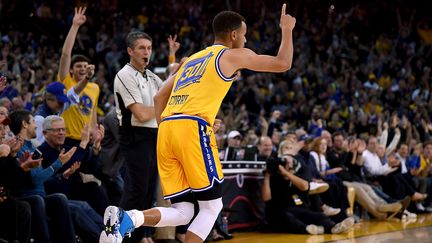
{"x":117,"y":224}
{"x":317,"y":187}
{"x":315,"y":229}
{"x":410,"y":215}
{"x":420,"y":207}
{"x":343,"y":226}
{"x":329,"y":211}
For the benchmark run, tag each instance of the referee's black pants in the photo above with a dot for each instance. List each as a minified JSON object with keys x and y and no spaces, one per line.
{"x":138,"y":147}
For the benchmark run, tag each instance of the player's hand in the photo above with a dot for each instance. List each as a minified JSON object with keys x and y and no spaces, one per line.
{"x":286,"y":21}
{"x":79,"y":17}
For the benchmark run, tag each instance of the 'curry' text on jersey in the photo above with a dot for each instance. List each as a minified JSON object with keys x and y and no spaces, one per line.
{"x":199,"y":86}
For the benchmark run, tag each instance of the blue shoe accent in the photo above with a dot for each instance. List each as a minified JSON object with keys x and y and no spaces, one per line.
{"x":125,"y":224}
{"x":117,"y":225}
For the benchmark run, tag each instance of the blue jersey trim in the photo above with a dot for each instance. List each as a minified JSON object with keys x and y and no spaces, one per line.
{"x":219,"y":72}
{"x":182,"y":117}
{"x":187,"y":190}
{"x":210,"y":186}
{"x":177,"y":194}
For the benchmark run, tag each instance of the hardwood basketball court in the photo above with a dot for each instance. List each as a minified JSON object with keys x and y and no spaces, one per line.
{"x":419,"y":230}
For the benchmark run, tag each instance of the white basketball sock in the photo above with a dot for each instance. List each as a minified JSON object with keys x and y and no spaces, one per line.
{"x":178,"y":214}
{"x":137,"y":217}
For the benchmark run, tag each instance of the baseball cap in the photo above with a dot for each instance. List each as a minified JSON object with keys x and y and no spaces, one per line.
{"x":57,"y":89}
{"x":234,"y":134}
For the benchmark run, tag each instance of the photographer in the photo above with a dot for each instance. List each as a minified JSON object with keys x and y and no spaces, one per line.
{"x":285,"y":192}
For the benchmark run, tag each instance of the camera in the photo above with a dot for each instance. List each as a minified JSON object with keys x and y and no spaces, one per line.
{"x":273,"y":163}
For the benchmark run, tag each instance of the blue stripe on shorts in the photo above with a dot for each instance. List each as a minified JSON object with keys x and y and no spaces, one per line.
{"x":207,"y":152}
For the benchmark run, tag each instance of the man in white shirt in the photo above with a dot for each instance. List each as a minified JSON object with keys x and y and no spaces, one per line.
{"x":395,"y":185}
{"x":372,"y":162}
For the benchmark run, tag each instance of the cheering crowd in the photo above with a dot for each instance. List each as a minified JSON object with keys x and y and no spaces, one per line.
{"x":355,"y":111}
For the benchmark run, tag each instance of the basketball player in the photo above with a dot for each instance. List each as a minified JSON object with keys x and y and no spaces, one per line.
{"x":188,"y":162}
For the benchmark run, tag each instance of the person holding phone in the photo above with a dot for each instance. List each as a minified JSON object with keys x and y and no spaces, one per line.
{"x":15,"y":213}
{"x":54,"y":206}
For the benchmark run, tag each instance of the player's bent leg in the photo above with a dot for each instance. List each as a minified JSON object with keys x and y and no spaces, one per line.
{"x":178,"y":214}
{"x":205,"y":219}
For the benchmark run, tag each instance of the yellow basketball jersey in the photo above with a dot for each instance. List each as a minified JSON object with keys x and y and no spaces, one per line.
{"x":76,"y":116}
{"x":199,"y":86}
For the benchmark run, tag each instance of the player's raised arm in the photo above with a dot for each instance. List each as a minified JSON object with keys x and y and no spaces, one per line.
{"x":244,"y":58}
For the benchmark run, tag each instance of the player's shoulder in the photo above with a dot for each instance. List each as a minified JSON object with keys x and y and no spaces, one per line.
{"x":237,"y":55}
{"x":237,"y":51}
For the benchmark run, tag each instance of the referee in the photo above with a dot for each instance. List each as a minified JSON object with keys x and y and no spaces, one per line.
{"x":134,"y":88}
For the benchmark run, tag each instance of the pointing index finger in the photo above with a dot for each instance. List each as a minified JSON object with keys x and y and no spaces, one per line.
{"x":283,"y":12}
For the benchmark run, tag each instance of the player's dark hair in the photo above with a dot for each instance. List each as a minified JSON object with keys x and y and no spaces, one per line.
{"x":225,"y":22}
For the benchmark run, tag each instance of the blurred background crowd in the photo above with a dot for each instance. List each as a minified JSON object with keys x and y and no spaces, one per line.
{"x":361,"y":70}
{"x":356,"y":63}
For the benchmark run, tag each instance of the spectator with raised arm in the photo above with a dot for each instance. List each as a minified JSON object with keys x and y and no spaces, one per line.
{"x":77,"y":70}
